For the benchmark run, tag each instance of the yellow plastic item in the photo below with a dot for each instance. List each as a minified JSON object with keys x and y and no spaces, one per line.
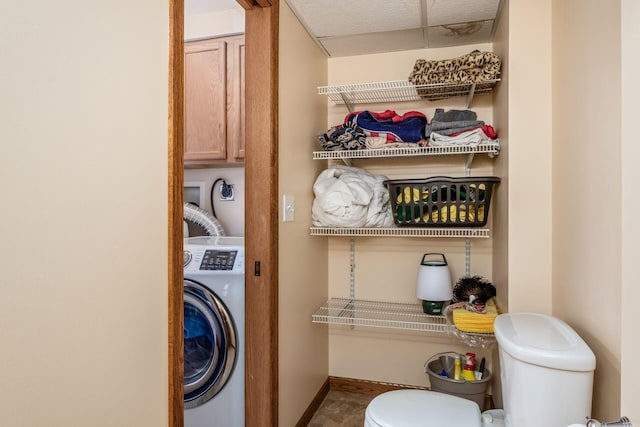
{"x":451,"y":213}
{"x":468,"y":375}
{"x":416,"y":195}
{"x":457,"y":368}
{"x":469,"y":321}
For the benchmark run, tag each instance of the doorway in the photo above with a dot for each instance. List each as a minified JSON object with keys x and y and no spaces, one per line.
{"x":261,"y":212}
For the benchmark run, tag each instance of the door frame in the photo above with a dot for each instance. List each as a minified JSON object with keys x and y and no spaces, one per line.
{"x":175,"y":214}
{"x":261,"y":212}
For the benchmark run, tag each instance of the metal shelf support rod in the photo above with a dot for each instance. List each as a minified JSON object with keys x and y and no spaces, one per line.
{"x":467,"y":241}
{"x":352,"y":274}
{"x":470,"y":95}
{"x":467,"y":257}
{"x":352,"y":269}
{"x":467,"y":164}
{"x":347,"y":102}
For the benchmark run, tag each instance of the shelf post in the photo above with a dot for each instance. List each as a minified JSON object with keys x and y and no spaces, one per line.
{"x":467,"y":257}
{"x":352,"y":269}
{"x":467,"y":241}
{"x":352,"y":275}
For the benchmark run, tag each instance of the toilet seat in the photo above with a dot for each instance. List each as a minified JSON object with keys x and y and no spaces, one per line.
{"x":421,"y":408}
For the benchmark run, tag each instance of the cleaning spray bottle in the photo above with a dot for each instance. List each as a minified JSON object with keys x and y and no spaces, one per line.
{"x":467,"y":372}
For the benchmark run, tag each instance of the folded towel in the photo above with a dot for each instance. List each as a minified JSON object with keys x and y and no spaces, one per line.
{"x":375,"y":142}
{"x":469,"y":321}
{"x":471,"y":138}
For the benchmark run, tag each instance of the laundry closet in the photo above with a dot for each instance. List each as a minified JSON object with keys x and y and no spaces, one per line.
{"x":369,"y":266}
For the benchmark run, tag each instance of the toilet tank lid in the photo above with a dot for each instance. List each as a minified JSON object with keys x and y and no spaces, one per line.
{"x":543,"y":340}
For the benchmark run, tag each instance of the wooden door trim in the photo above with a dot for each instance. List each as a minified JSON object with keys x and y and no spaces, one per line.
{"x":175,"y":213}
{"x":261,"y":215}
{"x":250,"y":4}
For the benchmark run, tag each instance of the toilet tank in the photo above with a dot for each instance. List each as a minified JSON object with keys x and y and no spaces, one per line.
{"x":546,"y":371}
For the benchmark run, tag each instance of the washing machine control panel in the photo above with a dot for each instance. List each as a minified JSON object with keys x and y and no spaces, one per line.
{"x":218,"y":259}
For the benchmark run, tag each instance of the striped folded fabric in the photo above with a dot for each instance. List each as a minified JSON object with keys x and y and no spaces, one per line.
{"x":468,"y":321}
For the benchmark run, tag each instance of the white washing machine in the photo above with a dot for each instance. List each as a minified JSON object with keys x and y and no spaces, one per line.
{"x":214,"y":332}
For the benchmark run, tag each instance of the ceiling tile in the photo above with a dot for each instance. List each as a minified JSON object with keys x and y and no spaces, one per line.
{"x":459,"y":34}
{"x":443,"y":12}
{"x":332,"y":18}
{"x":364,"y":44}
{"x":358,"y":27}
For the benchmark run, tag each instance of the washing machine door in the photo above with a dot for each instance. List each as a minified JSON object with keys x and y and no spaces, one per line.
{"x":210,"y":344}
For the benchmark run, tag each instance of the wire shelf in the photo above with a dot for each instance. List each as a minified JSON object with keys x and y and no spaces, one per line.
{"x":402,"y":232}
{"x":351,"y":312}
{"x":402,"y":90}
{"x":392,"y":315}
{"x":491,"y":148}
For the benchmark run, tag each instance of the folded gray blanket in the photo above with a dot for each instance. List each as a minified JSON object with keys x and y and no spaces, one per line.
{"x":454,"y":115}
{"x":449,"y":128}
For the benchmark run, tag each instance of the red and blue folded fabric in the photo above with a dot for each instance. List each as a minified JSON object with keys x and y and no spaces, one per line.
{"x":409,"y":127}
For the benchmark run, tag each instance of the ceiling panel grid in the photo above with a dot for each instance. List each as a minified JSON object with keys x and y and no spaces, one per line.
{"x":357,"y":27}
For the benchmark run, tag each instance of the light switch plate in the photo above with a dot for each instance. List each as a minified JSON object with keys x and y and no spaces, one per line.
{"x":288,"y":208}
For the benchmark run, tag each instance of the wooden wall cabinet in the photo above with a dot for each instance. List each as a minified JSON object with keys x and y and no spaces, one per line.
{"x":214,"y":102}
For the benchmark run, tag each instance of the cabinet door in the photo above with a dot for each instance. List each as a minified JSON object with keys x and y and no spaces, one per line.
{"x":235,"y":69}
{"x":205,"y":100}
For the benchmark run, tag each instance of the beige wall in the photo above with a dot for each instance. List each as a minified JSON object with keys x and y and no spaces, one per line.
{"x":587,"y":185}
{"x":230,"y":213}
{"x":500,"y":231}
{"x":303,"y":345}
{"x":386,"y":268}
{"x":213,"y":24}
{"x":630,"y":152}
{"x":528,"y":156}
{"x":83,"y":180}
{"x":500,"y":205}
{"x":577,"y":249}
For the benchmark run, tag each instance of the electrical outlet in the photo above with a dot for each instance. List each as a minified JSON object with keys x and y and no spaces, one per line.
{"x":226,"y":192}
{"x":288,"y":208}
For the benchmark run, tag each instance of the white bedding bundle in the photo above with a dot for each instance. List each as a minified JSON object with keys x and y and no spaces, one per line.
{"x":347,"y":196}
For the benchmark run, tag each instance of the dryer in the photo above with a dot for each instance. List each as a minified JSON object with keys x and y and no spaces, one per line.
{"x":214,"y":332}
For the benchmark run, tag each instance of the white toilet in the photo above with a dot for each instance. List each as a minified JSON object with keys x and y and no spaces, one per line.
{"x":547,"y":380}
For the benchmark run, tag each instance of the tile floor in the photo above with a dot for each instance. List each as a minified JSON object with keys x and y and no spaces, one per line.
{"x":346,"y":409}
{"x":341,"y":409}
